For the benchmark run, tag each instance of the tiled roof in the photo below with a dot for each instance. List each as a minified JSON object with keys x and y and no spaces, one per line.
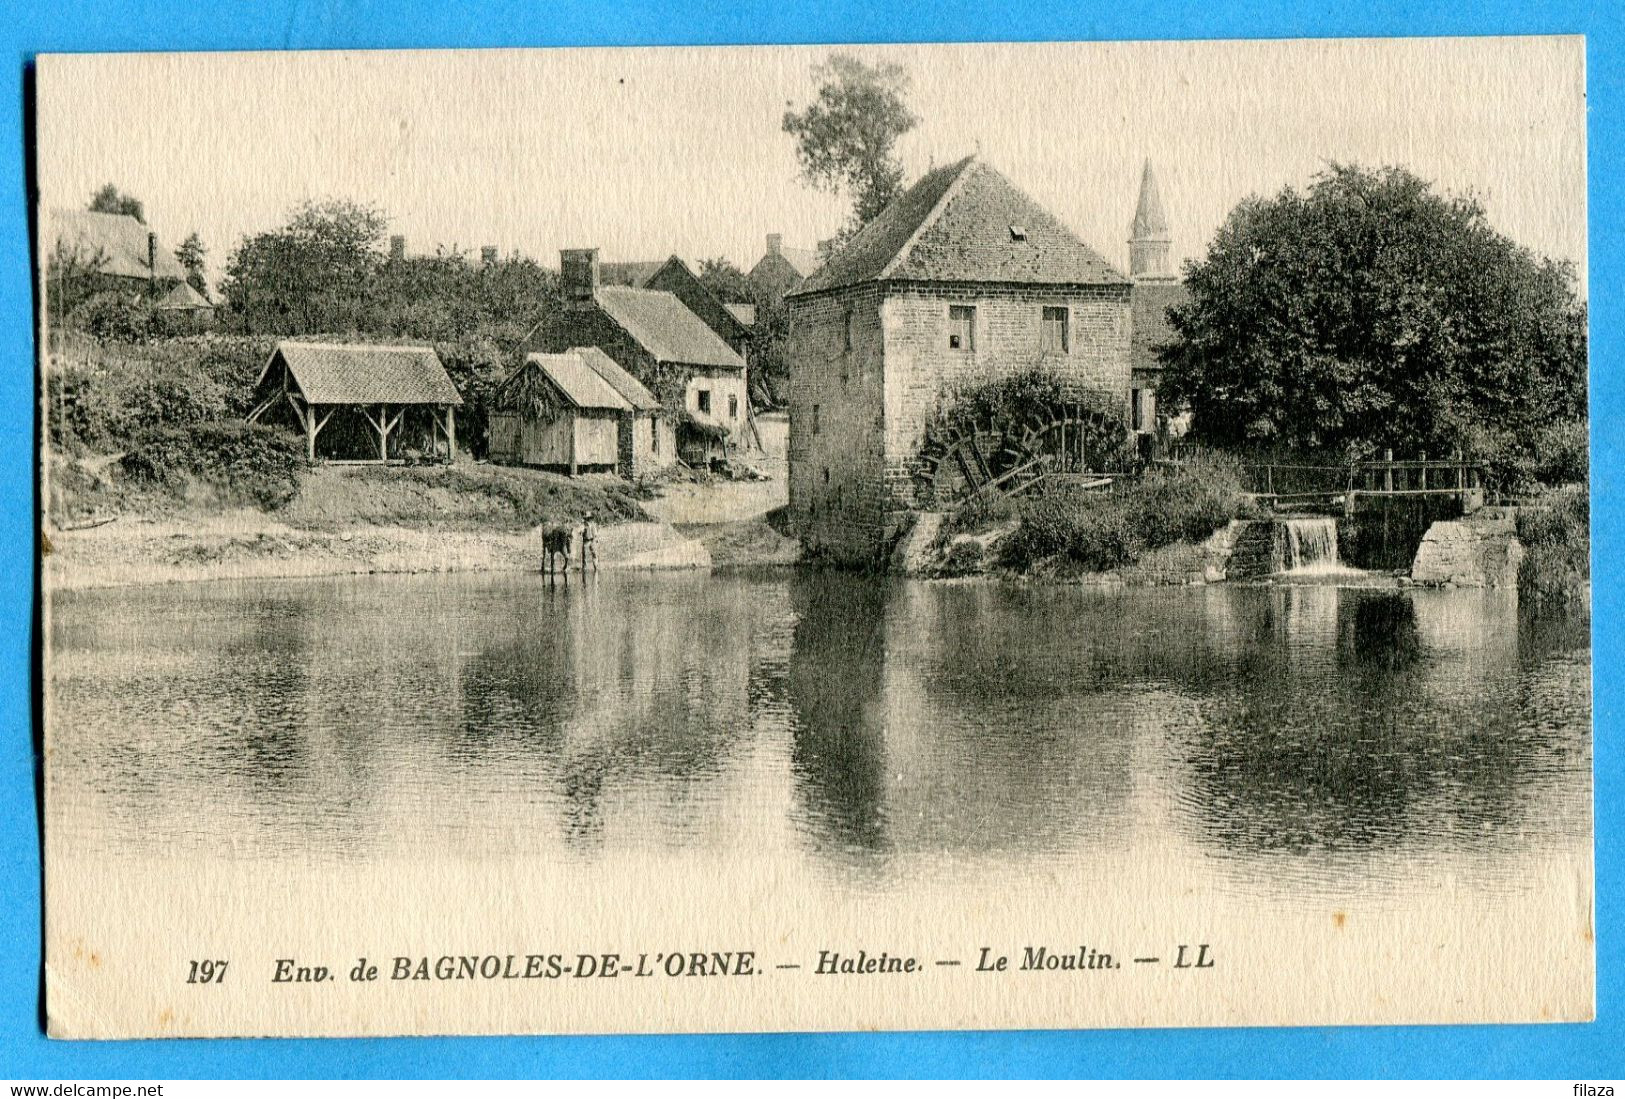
{"x":666,"y":328}
{"x":330,"y":373}
{"x":1151,"y":329}
{"x":965,"y":223}
{"x":581,"y":385}
{"x":630,"y":389}
{"x":744,"y":314}
{"x":804,"y":260}
{"x":631,"y":273}
{"x":183,"y":296}
{"x":117,"y":240}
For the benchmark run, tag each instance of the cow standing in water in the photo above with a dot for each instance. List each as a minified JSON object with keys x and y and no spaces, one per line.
{"x":556,"y":544}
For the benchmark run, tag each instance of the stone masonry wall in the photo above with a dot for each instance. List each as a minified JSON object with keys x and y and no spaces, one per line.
{"x":923,"y":372}
{"x":858,"y":414}
{"x":836,"y":487}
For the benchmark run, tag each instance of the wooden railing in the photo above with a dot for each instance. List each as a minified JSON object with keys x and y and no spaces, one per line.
{"x":1383,"y":475}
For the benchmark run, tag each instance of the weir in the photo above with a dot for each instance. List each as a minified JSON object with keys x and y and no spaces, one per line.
{"x":1306,"y":545}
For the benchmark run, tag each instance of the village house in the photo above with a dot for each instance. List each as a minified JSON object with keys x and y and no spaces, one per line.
{"x":381,"y":401}
{"x":579,"y":412}
{"x":678,"y":279}
{"x":698,"y":378}
{"x":960,"y":278}
{"x":1156,"y":290}
{"x":782,"y":270}
{"x":109,"y":252}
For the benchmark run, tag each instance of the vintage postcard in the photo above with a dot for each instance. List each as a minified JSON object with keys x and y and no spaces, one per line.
{"x":817,"y":538}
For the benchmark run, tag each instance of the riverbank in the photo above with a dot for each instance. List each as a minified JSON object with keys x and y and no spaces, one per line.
{"x":357,"y":520}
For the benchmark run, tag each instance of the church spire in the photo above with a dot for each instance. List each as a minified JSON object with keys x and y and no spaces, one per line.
{"x":1150,"y":239}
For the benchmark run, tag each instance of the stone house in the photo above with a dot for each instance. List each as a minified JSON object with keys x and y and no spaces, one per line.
{"x":698,"y":379}
{"x":677,"y":278}
{"x":782,"y":270}
{"x":961,"y":277}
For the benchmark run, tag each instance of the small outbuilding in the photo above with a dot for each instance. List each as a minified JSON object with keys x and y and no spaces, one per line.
{"x":578,"y":411}
{"x":387,"y":398}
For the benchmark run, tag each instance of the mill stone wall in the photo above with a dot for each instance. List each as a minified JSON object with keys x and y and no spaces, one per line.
{"x":858,"y":414}
{"x":835,"y":436}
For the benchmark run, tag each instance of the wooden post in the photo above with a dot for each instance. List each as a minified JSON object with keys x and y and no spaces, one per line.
{"x":451,"y":433}
{"x":575,"y":438}
{"x":309,"y":416}
{"x":383,"y":433}
{"x":1388,"y":471}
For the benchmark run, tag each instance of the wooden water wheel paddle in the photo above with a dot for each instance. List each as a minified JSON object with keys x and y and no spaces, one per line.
{"x":966,"y":457}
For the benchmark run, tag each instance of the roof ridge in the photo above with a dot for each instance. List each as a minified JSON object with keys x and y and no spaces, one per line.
{"x":960,"y":170}
{"x":325,"y":345}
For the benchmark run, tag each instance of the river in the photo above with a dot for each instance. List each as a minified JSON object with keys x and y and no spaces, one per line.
{"x":1289,"y":746}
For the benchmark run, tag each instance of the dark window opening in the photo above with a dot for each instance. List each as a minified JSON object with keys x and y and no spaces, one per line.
{"x":815,"y":420}
{"x":1053,"y":335}
{"x":702,"y":398}
{"x":962,"y":327}
{"x":733,"y":407}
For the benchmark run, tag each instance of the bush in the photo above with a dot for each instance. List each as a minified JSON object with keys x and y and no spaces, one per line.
{"x":1102,"y":530}
{"x":963,"y":559}
{"x":243,"y":463}
{"x":113,"y":315}
{"x":1557,"y":549}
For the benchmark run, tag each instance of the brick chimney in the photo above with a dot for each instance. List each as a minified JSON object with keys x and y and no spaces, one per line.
{"x":488,"y":255}
{"x":578,"y":276}
{"x":397,"y":247}
{"x":775,"y":243}
{"x":152,"y":257}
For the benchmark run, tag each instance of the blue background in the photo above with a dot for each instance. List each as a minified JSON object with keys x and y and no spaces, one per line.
{"x":1569,"y":1052}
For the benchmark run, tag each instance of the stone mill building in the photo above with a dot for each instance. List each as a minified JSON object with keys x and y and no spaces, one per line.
{"x":962,"y":276}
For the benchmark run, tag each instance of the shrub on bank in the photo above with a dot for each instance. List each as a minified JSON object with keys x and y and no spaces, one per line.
{"x":238,"y":463}
{"x":1557,"y":549}
{"x":1102,"y":530}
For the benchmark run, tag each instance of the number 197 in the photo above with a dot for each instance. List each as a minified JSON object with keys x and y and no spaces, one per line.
{"x":206,"y":973}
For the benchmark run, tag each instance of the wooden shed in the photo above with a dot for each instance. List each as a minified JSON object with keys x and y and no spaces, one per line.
{"x":559,"y":412}
{"x":378,"y":389}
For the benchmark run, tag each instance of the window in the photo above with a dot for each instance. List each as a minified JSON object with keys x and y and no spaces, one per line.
{"x":962,"y":327}
{"x":815,"y":420}
{"x":849,"y":330}
{"x":702,"y":399}
{"x":654,"y":435}
{"x":1136,"y":405}
{"x":733,"y":407}
{"x":826,"y":475}
{"x":1053,"y":336}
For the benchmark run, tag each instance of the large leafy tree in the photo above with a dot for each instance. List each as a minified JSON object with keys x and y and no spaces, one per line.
{"x":1370,"y":311}
{"x":110,"y":200}
{"x":317,"y":273}
{"x":846,"y":139}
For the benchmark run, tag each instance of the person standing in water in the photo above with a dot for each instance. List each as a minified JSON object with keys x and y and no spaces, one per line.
{"x":589,"y":543}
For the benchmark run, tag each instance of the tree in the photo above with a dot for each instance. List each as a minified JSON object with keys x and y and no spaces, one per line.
{"x":315,"y":274}
{"x":1368,"y":312}
{"x":846,"y":139}
{"x":726,"y":281}
{"x":190,"y":254}
{"x":110,"y":200}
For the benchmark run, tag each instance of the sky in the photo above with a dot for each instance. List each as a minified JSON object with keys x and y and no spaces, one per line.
{"x":649,"y":152}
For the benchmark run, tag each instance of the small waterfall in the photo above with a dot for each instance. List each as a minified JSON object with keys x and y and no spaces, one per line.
{"x":1306,"y":545}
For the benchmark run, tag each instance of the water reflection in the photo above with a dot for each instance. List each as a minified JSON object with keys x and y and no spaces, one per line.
{"x":1334,"y":734}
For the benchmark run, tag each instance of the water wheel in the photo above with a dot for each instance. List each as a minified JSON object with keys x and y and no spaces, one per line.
{"x":963,"y":457}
